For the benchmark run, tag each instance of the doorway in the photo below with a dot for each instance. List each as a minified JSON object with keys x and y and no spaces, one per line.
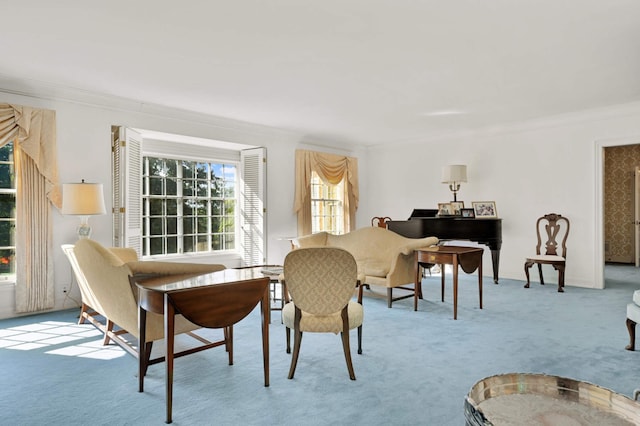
{"x":615,"y":211}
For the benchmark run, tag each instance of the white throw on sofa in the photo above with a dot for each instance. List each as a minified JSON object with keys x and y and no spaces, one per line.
{"x":384,"y":258}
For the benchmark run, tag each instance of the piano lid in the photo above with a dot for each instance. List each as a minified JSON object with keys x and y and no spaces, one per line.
{"x":418,"y":213}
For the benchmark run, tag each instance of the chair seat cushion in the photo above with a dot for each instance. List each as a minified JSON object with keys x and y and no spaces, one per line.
{"x":546,"y":258}
{"x":323,"y":323}
{"x":636,"y":297}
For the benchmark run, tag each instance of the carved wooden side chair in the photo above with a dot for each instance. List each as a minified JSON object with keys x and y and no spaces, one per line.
{"x":550,"y":228}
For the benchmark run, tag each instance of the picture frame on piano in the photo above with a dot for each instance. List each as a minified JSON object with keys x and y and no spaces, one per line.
{"x":485,"y":209}
{"x":445,"y":209}
{"x":468,"y":213}
{"x":456,"y":207}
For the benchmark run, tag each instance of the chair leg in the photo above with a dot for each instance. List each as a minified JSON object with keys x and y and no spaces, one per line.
{"x":527,"y":265}
{"x":560,"y":269}
{"x":288,"y":333}
{"x":389,"y":296}
{"x":345,"y":343}
{"x":360,"y":340}
{"x":540,"y":273}
{"x":108,"y":329}
{"x":631,"y":326}
{"x":297,"y":338}
{"x":83,"y":311}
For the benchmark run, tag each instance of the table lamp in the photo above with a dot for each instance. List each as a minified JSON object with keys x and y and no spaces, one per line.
{"x":453,"y":175}
{"x":84,"y":200}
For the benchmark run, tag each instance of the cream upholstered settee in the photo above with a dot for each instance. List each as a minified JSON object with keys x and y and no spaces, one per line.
{"x":109,"y":299}
{"x":384,"y":258}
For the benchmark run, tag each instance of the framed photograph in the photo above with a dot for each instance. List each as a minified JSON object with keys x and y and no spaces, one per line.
{"x":444,"y":209}
{"x":467,"y":213}
{"x":485,"y":209}
{"x":456,"y":207}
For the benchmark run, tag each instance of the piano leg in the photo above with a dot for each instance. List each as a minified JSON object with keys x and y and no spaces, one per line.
{"x":495,"y":260}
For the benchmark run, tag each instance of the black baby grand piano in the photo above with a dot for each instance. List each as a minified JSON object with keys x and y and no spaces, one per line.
{"x":425,"y":223}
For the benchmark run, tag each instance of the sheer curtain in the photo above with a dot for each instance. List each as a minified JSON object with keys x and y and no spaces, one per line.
{"x":33,"y":133}
{"x":331,"y":169}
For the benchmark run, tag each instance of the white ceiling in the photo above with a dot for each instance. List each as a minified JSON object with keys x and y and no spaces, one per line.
{"x":355,"y":71}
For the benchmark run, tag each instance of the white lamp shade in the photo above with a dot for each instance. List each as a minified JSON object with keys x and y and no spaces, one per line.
{"x":82,"y":199}
{"x":454,"y":173}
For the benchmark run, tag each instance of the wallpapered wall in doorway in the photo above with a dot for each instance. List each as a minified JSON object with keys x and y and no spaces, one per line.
{"x":619,"y":165}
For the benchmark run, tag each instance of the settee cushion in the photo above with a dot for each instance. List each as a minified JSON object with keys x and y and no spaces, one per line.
{"x":636,"y":297}
{"x":153,"y":268}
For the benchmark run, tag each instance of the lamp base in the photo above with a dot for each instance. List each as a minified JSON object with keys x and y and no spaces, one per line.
{"x":83,"y":230}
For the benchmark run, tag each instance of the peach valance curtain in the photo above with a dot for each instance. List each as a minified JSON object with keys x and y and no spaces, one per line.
{"x":33,"y":133}
{"x":332,"y":169}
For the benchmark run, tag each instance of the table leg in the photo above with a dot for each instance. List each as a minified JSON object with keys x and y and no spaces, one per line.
{"x":266,"y":320}
{"x":142,"y":347}
{"x":442,"y":282}
{"x":480,"y":280}
{"x":417,"y":283}
{"x":169,"y":334}
{"x":455,"y":286}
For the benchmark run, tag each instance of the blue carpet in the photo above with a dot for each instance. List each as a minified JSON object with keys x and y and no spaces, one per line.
{"x":416,"y":367}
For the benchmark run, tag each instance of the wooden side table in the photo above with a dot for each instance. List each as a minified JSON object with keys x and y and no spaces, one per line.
{"x":469,"y":258}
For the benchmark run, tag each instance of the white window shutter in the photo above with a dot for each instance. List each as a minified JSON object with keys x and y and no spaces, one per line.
{"x":127,"y":189}
{"x":253,"y":238}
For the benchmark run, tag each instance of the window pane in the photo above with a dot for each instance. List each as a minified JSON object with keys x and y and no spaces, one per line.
{"x":202,"y":243}
{"x":172,"y":207}
{"x":172,"y":186}
{"x":156,"y":207}
{"x":202,"y":225}
{"x":216,"y":224}
{"x":230,"y":241}
{"x":7,"y":233}
{"x":188,"y":187}
{"x":188,"y":207}
{"x":216,"y":242}
{"x":188,"y":225}
{"x":201,"y":170}
{"x":7,"y":206}
{"x":7,"y":261}
{"x":188,"y":244}
{"x":6,"y":176}
{"x":188,"y":169}
{"x":172,"y":225}
{"x":155,"y":245}
{"x":171,"y":169}
{"x":217,"y":207}
{"x":172,"y":245}
{"x":156,"y":225}
{"x":6,"y":152}
{"x":156,"y":186}
{"x":202,"y":188}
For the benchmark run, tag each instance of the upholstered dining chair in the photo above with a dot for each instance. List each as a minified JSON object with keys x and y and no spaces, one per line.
{"x":550,"y":229}
{"x":321,"y":282}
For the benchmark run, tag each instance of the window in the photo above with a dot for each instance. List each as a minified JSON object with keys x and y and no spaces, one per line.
{"x":176,"y":195}
{"x":188,"y":206}
{"x":7,"y":214}
{"x":327,"y":206}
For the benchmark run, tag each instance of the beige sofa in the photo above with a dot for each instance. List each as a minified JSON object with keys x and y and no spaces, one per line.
{"x":109,"y":299}
{"x":384,"y":258}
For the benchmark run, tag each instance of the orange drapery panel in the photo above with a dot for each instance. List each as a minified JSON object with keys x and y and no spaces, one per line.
{"x":332,"y":169}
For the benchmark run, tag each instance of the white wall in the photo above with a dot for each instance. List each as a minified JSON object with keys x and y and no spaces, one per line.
{"x":84,"y":153}
{"x":528,"y":169}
